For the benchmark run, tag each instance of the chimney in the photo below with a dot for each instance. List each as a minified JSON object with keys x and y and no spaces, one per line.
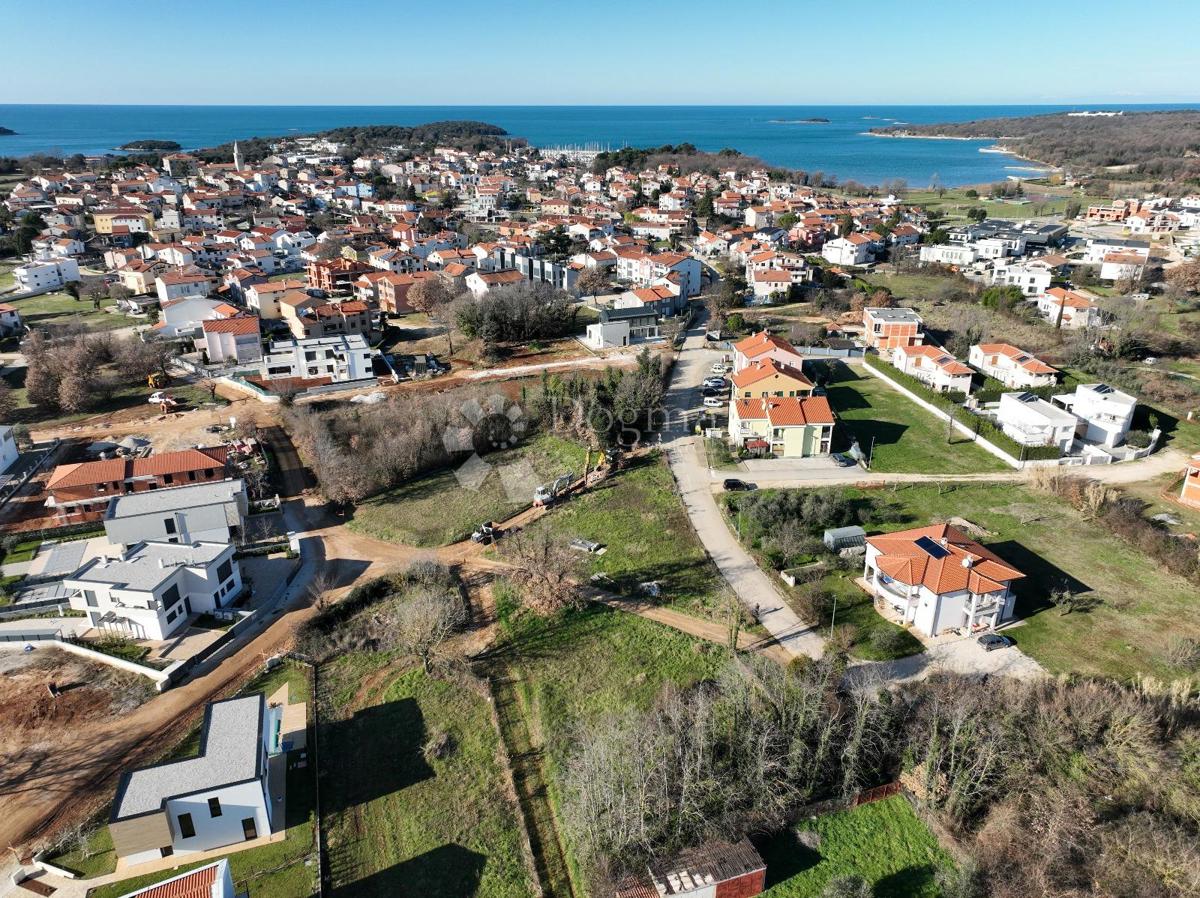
{"x":968,"y":561}
{"x":944,"y":541}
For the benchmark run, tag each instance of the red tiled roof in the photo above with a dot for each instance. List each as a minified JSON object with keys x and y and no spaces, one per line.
{"x":787,"y":411}
{"x":113,"y":470}
{"x":966,"y":564}
{"x":767,"y":368}
{"x":242,"y":325}
{"x":197,"y":884}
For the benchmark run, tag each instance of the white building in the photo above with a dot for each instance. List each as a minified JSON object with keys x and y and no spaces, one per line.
{"x":186,"y":317}
{"x":231,"y":340}
{"x":154,"y":588}
{"x":220,"y":797}
{"x":1106,"y":412}
{"x":1070,"y":309}
{"x":1032,"y":421}
{"x":934,"y":367}
{"x":948,"y":254}
{"x":1032,"y":278}
{"x":341,"y":358}
{"x":199,"y":512}
{"x":45,"y":274}
{"x":1011,"y":366}
{"x":853,"y":249}
{"x":622,"y":327}
{"x":936,"y":579}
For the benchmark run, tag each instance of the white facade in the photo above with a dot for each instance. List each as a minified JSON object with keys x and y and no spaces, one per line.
{"x":841,"y":251}
{"x":1106,"y":412}
{"x":934,"y":367}
{"x":1032,"y":421}
{"x":153,"y":589}
{"x":1032,"y":279}
{"x":948,"y":254}
{"x":46,"y":274}
{"x":199,"y":512}
{"x":340,"y":358}
{"x":1011,"y":366}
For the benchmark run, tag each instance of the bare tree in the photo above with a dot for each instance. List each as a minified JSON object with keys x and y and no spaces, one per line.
{"x":592,"y":281}
{"x":545,"y":568}
{"x":433,"y":297}
{"x":420,"y":621}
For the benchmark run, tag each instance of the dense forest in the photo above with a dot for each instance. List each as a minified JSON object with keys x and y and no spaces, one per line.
{"x":1155,"y":146}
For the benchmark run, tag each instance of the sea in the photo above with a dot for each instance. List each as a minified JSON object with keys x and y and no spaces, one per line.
{"x":779,"y":135}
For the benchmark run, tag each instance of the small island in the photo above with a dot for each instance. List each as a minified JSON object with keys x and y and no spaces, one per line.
{"x":816,"y":120}
{"x":6,"y":131}
{"x":152,"y":146}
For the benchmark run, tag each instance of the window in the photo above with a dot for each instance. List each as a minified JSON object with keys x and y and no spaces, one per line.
{"x":168,"y":478}
{"x":186,"y":829}
{"x":171,"y":596}
{"x":169,"y":525}
{"x":90,"y":598}
{"x":249,"y":829}
{"x":214,"y":807}
{"x":224,"y":571}
{"x":166,"y":851}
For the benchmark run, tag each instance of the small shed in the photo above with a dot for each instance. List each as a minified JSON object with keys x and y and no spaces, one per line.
{"x":838,"y":538}
{"x":716,"y":868}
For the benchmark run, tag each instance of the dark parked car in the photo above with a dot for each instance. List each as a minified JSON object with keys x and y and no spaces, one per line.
{"x":733,"y":485}
{"x":993,"y":641}
{"x":842,"y":460}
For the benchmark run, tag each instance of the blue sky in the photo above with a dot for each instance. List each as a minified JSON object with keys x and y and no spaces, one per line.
{"x":373,"y":52}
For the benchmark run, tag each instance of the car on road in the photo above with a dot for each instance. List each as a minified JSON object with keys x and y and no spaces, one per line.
{"x":733,"y":485}
{"x":714,"y":402}
{"x":715,"y":391}
{"x":993,"y":641}
{"x":842,"y":460}
{"x":714,"y":382}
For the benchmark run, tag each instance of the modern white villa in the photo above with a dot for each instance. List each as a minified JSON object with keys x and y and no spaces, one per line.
{"x":934,"y":367}
{"x":222,"y":796}
{"x":1032,"y":421}
{"x":1011,"y":366}
{"x":1104,"y":412}
{"x":936,"y":579}
{"x":151,"y":590}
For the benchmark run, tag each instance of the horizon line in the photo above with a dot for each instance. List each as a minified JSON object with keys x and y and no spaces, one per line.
{"x":611,"y":105}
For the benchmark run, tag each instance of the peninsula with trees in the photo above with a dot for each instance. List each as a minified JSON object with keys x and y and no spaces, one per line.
{"x":1161,"y":147}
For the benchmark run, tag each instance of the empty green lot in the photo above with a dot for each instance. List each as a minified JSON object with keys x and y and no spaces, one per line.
{"x":903,"y":437}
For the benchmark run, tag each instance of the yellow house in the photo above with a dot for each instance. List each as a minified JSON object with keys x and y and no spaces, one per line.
{"x":104,"y":220}
{"x":769,"y":378}
{"x":787,"y":427}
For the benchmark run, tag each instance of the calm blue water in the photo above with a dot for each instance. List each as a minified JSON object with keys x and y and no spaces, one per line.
{"x":770,"y":132}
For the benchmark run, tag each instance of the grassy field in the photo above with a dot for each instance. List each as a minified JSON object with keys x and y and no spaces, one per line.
{"x":439,"y":509}
{"x":398,"y":822}
{"x":905,"y":437}
{"x":953,"y":204}
{"x":281,"y":869}
{"x":883,"y":842}
{"x":62,"y":308}
{"x":639,"y":517}
{"x":1138,"y":607}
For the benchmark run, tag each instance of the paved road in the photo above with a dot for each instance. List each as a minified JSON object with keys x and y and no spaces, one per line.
{"x":684,"y":453}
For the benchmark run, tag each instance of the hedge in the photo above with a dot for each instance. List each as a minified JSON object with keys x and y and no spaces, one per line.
{"x":980,"y":425}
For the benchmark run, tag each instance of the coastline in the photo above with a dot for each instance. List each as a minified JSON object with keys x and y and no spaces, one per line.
{"x":996,"y":147}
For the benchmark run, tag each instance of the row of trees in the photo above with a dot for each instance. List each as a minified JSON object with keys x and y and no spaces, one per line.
{"x":1099,"y":776}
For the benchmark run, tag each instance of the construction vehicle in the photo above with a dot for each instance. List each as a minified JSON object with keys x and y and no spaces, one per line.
{"x":157,"y":380}
{"x":548,"y":493}
{"x":486,"y":533}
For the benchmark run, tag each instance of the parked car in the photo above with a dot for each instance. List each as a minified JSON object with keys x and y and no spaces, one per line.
{"x":714,"y":402}
{"x":993,"y":641}
{"x":720,"y":368}
{"x":714,"y":382}
{"x":733,"y":485}
{"x":714,"y":391}
{"x":842,"y":460}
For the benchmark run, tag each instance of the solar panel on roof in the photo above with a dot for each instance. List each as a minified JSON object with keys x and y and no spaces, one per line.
{"x":1104,"y":388}
{"x":932,"y":548}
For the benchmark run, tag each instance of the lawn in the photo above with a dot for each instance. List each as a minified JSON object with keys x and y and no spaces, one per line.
{"x":1139,"y":608}
{"x":883,"y":842}
{"x":638,"y":516}
{"x":445,"y":507}
{"x":900,"y":435}
{"x":61,"y":308}
{"x":279,"y":870}
{"x":396,"y":821}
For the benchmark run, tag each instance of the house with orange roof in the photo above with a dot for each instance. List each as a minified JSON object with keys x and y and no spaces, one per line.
{"x":660,"y":299}
{"x":769,"y":378}
{"x":933,"y":367}
{"x":765,"y":346}
{"x":1011,"y":366}
{"x":210,"y":881}
{"x":234,"y":340}
{"x":480,"y":282}
{"x":1070,"y":308}
{"x":787,"y":427}
{"x":936,"y":579}
{"x":82,"y":491}
{"x":851,"y":249}
{"x":885,"y":329}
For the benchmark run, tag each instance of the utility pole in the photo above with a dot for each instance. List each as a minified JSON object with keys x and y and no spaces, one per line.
{"x":833,"y":616}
